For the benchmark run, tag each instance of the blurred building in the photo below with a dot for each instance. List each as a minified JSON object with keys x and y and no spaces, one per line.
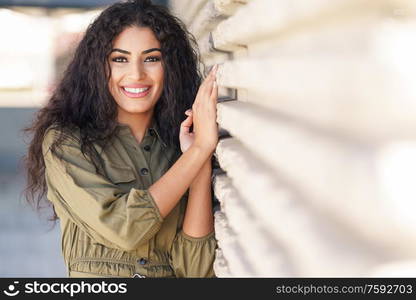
{"x":318,"y":98}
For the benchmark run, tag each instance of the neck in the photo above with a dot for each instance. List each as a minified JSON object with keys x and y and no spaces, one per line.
{"x":138,"y":123}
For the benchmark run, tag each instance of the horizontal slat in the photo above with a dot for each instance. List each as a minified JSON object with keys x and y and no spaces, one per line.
{"x":186,"y":10}
{"x":361,"y":97}
{"x":321,"y":167}
{"x":206,"y":19}
{"x":277,"y":17}
{"x":250,"y":233}
{"x":232,"y":252}
{"x":228,"y":7}
{"x":208,"y":54}
{"x":401,"y":268}
{"x":204,"y":45}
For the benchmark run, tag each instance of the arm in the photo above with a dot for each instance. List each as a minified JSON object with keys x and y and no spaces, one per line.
{"x":201,"y":143}
{"x":199,"y":219}
{"x":194,"y":248}
{"x":168,"y":189}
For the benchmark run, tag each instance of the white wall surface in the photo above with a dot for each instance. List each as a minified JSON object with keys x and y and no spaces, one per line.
{"x":321,"y":162}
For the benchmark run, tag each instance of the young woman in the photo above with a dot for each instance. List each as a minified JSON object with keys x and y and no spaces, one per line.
{"x":114,"y":151}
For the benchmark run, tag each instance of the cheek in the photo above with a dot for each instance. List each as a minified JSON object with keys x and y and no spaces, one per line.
{"x":161,"y":84}
{"x":112,"y":87}
{"x":156,"y":73}
{"x":161,"y":78}
{"x":113,"y":82}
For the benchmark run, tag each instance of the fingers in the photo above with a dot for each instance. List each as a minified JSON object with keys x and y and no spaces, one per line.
{"x":214,"y":94}
{"x":212,"y":75}
{"x":213,"y":71}
{"x":209,"y":85}
{"x":206,"y":86}
{"x":213,"y":87}
{"x":207,"y":91}
{"x":187,"y":123}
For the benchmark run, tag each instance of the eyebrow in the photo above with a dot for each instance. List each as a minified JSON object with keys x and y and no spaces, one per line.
{"x":143,"y":52}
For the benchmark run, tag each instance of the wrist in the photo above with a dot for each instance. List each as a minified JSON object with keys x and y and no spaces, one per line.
{"x":204,"y":174}
{"x":206,"y":168}
{"x":204,"y":151}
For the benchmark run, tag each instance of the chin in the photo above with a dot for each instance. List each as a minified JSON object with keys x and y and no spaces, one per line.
{"x":136,"y":108}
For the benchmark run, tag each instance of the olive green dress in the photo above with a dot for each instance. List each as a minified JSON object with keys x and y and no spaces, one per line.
{"x":110,"y":224}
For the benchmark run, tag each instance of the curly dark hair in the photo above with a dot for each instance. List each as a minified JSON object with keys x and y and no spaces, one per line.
{"x":82,"y":99}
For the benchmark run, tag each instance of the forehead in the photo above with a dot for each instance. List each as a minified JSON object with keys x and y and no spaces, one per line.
{"x":136,"y":39}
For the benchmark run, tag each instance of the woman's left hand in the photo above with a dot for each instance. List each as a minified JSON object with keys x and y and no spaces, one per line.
{"x":186,"y":138}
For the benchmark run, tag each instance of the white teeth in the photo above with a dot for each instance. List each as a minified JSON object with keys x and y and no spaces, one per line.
{"x":136,"y":91}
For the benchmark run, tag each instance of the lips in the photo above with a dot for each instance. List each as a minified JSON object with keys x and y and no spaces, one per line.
{"x":136,"y":85}
{"x":136,"y":90}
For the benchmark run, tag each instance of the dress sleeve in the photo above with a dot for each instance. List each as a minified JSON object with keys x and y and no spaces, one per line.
{"x":193,"y":257}
{"x":106,"y":213}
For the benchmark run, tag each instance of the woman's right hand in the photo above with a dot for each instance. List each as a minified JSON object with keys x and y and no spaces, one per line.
{"x":204,"y":113}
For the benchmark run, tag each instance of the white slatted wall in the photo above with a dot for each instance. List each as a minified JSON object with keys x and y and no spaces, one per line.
{"x":321,"y":163}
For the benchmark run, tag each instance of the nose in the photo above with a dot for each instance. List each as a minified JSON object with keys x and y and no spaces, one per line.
{"x":137,"y":72}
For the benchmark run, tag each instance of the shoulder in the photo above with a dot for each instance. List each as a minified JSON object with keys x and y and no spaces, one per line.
{"x":55,"y":136}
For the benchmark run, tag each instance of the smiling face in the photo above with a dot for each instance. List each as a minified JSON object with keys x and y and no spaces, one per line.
{"x":136,"y":81}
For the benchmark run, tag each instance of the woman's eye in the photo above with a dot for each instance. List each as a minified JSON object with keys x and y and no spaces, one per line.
{"x":119,"y":59}
{"x":152,"y":58}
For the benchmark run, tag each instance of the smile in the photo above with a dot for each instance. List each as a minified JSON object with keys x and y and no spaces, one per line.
{"x":135,"y":92}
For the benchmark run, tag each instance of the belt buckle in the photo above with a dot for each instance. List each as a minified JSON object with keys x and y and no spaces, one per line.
{"x":137,"y":275}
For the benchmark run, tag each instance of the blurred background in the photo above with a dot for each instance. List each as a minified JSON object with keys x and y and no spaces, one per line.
{"x":317,"y":100}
